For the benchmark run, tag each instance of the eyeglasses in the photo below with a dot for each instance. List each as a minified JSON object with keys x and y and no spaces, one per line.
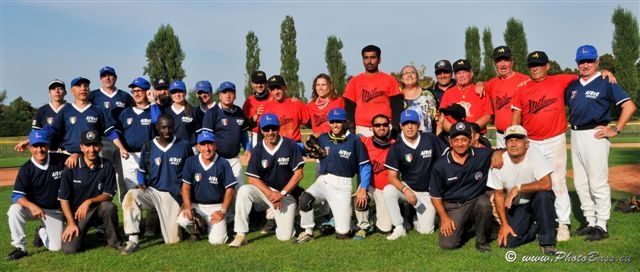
{"x":270,"y":128}
{"x":381,"y":125}
{"x":409,"y":73}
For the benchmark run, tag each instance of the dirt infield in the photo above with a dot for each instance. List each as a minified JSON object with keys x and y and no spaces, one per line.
{"x":623,"y":178}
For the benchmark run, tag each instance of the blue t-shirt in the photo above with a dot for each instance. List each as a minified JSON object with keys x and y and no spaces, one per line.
{"x":186,"y":124}
{"x":40,"y":183}
{"x":45,"y":116}
{"x":114,"y":103}
{"x":456,"y":182}
{"x":591,"y":104}
{"x":71,"y":122}
{"x":208,"y":182}
{"x":414,"y":163}
{"x":82,"y":183}
{"x":164,"y":165}
{"x":343,"y":159}
{"x":135,"y":125}
{"x":275,"y":167}
{"x":230,"y":128}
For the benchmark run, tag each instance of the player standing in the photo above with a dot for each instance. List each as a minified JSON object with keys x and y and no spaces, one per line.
{"x":253,"y":106}
{"x":291,"y":114}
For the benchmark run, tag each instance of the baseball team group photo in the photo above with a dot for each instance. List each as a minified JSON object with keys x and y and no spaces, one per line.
{"x":470,"y":163}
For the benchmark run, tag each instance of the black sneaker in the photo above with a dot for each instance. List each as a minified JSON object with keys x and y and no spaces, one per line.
{"x":584,"y":230}
{"x":483,"y":247}
{"x":341,"y":236}
{"x":194,"y":237}
{"x":37,"y":241}
{"x":17,"y":253}
{"x":597,"y":234}
{"x":549,"y":250}
{"x":268,"y":227}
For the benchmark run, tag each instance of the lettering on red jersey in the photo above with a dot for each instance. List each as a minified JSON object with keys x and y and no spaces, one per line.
{"x":536,"y":106}
{"x":319,"y":119}
{"x":377,"y":166}
{"x":503,"y":101}
{"x":368,"y":95}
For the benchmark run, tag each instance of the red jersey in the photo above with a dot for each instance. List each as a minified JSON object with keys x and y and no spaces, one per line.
{"x":502,"y":92}
{"x":542,"y":106}
{"x":319,"y":116}
{"x":290,"y":114}
{"x":250,"y":107}
{"x":377,"y":157}
{"x":371,"y":95}
{"x":474,"y":105}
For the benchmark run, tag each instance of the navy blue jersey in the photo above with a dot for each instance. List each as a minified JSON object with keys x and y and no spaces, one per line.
{"x":275,"y":167}
{"x":82,"y":183}
{"x":114,"y":103}
{"x":185,"y":125}
{"x":343,"y":159}
{"x":45,"y":116}
{"x":414,"y":163}
{"x":72,"y":121}
{"x":454,"y":182}
{"x":208,"y":182}
{"x":591,"y":104}
{"x":135,"y":125}
{"x":40,"y":183}
{"x":228,"y":126}
{"x":164,"y":165}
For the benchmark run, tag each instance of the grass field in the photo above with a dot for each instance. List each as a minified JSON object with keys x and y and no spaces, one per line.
{"x":415,"y":252}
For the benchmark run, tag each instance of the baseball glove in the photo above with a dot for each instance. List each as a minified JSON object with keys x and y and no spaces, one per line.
{"x":199,"y":225}
{"x":313,"y":149}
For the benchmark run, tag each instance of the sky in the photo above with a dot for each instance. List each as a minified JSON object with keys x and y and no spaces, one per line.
{"x":43,"y":40}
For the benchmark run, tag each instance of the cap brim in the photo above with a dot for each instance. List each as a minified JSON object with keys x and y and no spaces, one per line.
{"x":518,"y":136}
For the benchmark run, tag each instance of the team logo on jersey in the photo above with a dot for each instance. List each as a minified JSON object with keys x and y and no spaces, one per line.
{"x":56,"y":175}
{"x":502,"y":101}
{"x":344,"y":154}
{"x":106,"y":104}
{"x":158,"y":161}
{"x":264,"y":163}
{"x":408,"y":157}
{"x":536,"y":106}
{"x":327,"y":149}
{"x":119,"y":104}
{"x":197,"y":177}
{"x":426,"y":153}
{"x":145,"y":121}
{"x":187,"y":119}
{"x":283,"y":161}
{"x":99,"y":186}
{"x":318,"y":119}
{"x":50,"y":120}
{"x":368,"y":95}
{"x":239,"y":122}
{"x":213,"y":180}
{"x":77,"y":181}
{"x":478,"y":175}
{"x":573,"y":94}
{"x":591,"y":94}
{"x":129,"y":121}
{"x":72,"y":120}
{"x":92,"y":119}
{"x":224,"y":121}
{"x":175,"y":161}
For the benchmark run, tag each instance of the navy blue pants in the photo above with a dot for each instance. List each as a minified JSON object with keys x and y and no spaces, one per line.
{"x":536,"y":217}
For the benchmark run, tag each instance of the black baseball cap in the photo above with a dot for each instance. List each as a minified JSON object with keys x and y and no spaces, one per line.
{"x":275,"y":81}
{"x":90,"y":137}
{"x":443,"y":65}
{"x":536,"y":58}
{"x":460,"y":128}
{"x":161,"y":84}
{"x":456,"y":111}
{"x":258,"y":77}
{"x":503,"y":52}
{"x":461,"y":64}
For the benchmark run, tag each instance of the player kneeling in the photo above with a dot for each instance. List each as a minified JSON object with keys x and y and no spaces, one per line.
{"x":208,"y":186}
{"x":274,"y":171}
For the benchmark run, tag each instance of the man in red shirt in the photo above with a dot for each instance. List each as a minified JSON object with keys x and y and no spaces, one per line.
{"x":501,"y":90}
{"x":253,"y":106}
{"x":372,"y":92}
{"x":477,"y":108}
{"x":290,"y":114}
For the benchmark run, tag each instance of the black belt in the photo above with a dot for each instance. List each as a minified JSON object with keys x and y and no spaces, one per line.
{"x":458,"y":202}
{"x":500,"y":131}
{"x":585,"y":127}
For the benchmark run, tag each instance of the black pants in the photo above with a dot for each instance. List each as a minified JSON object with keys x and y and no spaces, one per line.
{"x":536,"y":217}
{"x":106,"y":213}
{"x":473,"y":213}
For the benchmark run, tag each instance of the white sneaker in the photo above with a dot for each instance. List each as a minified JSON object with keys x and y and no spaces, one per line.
{"x":563,"y":233}
{"x":129,"y":248}
{"x":239,"y":241}
{"x":398,"y":232}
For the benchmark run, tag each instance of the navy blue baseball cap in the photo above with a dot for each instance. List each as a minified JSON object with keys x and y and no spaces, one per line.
{"x":269,"y":119}
{"x":107,"y":70}
{"x":90,"y":137}
{"x":460,"y":128}
{"x":203,"y":86}
{"x":206,"y":137}
{"x":537,"y":58}
{"x":586,"y":52}
{"x":409,"y":116}
{"x":78,"y":80}
{"x":337,"y":114}
{"x":141,"y":83}
{"x":461,"y":64}
{"x":443,"y":65}
{"x":177,"y":86}
{"x":227,"y":86}
{"x":38,"y":136}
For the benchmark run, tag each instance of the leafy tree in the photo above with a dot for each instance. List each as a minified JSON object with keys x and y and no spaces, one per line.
{"x":335,"y":64}
{"x":555,"y":68}
{"x":15,"y":118}
{"x":608,"y":62}
{"x":472,"y":48}
{"x":253,"y":60}
{"x":626,"y":50}
{"x":164,"y":56}
{"x":290,"y":63}
{"x":488,"y":70}
{"x":516,"y":40}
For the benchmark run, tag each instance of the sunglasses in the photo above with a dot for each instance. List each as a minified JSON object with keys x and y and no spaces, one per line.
{"x":381,"y":125}
{"x":270,"y":128}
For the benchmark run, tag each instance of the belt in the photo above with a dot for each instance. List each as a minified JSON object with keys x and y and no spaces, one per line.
{"x":458,"y":202}
{"x":500,"y":131}
{"x":585,"y":127}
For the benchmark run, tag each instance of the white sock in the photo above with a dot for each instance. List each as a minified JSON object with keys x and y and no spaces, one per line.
{"x":133,"y":238}
{"x":309,"y":231}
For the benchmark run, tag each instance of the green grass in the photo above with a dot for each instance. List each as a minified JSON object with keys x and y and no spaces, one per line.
{"x":415,"y":252}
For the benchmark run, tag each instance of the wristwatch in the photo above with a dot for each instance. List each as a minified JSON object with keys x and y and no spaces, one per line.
{"x":223,"y":211}
{"x":284,"y":193}
{"x":615,"y":129}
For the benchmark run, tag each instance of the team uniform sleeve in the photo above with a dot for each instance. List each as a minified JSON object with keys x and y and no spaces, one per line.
{"x":393,"y":158}
{"x":207,"y":121}
{"x":487,"y":109}
{"x":38,"y":120}
{"x":296,"y":158}
{"x":304,"y":114}
{"x":21,"y":186}
{"x":619,"y":95}
{"x":229,"y":180}
{"x":436,"y":182}
{"x":66,"y":183}
{"x":110,"y":178}
{"x":187,"y":171}
{"x":142,"y":165}
{"x":516,"y":104}
{"x":252,"y":166}
{"x":541,"y":166}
